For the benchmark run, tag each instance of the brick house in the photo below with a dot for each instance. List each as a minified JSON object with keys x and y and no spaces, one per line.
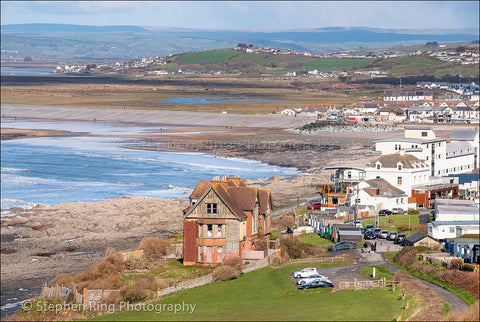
{"x":225,"y":217}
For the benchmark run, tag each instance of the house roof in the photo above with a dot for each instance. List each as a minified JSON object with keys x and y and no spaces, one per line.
{"x":384,"y":188}
{"x":463,"y":135}
{"x":460,"y":148}
{"x":391,"y":160}
{"x":416,"y":237}
{"x":454,"y":223}
{"x":236,"y":195}
{"x":265,"y":200}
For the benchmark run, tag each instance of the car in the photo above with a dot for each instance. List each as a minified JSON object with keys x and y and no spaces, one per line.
{"x":392,"y":235}
{"x":314,"y":201}
{"x":398,"y":211}
{"x":358,"y":224}
{"x":377,"y":231}
{"x":314,"y":284}
{"x":400,"y":238}
{"x":369,"y":227}
{"x":384,"y":212}
{"x":315,"y":205}
{"x":309,"y":279}
{"x":306,"y":272}
{"x":369,"y":235}
{"x":383,"y":234}
{"x":342,"y":245}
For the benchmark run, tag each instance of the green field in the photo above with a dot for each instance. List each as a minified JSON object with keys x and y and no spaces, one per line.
{"x":211,"y":56}
{"x":336,"y":64}
{"x":269,"y":294}
{"x":396,"y":220}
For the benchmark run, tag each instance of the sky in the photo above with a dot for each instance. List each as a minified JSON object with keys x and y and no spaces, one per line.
{"x":257,"y":15}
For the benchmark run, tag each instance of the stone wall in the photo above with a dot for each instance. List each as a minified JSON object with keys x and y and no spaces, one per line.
{"x":92,"y":297}
{"x":206,"y":279}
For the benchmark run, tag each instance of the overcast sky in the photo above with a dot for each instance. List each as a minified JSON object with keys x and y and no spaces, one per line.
{"x":264,"y":15}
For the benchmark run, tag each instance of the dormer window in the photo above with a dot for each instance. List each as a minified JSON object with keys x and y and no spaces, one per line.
{"x":379,"y":165}
{"x":211,"y":208}
{"x":399,"y":166}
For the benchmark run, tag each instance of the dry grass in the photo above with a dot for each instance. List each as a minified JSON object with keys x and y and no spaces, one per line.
{"x":101,"y":275}
{"x":406,"y":256}
{"x":235,"y":262}
{"x":225,"y":273}
{"x":154,"y":246}
{"x":433,"y":305}
{"x":469,"y":314}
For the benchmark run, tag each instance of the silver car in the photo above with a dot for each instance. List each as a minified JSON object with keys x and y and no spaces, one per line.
{"x":312,"y":278}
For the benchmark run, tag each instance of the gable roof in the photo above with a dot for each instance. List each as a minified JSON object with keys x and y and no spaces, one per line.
{"x":384,"y":188}
{"x":265,"y":199}
{"x":234,"y":193}
{"x":391,"y":160}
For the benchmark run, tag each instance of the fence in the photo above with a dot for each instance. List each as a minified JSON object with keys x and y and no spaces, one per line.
{"x":319,"y":260}
{"x":61,"y":291}
{"x":364,"y":285}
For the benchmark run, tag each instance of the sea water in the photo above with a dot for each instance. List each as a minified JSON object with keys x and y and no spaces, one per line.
{"x":52,"y":170}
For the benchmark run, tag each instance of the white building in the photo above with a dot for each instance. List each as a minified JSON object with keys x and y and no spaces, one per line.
{"x":443,"y":157}
{"x":403,"y":171}
{"x":451,"y":215}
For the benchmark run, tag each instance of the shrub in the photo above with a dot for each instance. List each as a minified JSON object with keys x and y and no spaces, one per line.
{"x":155,"y":246}
{"x":312,"y":250}
{"x":235,"y":262}
{"x":413,"y":212}
{"x":403,"y":228}
{"x":291,"y":246}
{"x":455,"y":263}
{"x":224,"y":273}
{"x":134,"y":292}
{"x":406,"y":256}
{"x":261,"y":244}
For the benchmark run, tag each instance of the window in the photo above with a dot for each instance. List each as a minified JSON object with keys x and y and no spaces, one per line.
{"x":396,"y":147}
{"x":219,"y":231}
{"x":349,"y":174}
{"x":399,"y":167}
{"x":209,"y":230}
{"x":424,"y":133}
{"x":378,"y":166}
{"x":211,"y":208}
{"x":452,"y":229}
{"x":399,"y":180}
{"x":378,"y":177}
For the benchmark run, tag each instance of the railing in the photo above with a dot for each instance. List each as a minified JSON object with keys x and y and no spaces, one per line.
{"x":319,"y":260}
{"x":364,"y":285}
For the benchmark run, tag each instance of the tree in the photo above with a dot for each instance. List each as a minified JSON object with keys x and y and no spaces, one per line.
{"x":460,"y":49}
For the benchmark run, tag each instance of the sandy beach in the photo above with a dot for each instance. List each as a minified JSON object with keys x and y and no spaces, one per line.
{"x":39,"y":243}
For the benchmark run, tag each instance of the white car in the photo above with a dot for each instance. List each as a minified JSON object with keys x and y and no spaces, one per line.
{"x":306,"y":272}
{"x":312,"y":278}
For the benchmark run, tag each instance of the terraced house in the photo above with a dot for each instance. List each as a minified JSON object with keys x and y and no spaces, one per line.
{"x":225,"y":218}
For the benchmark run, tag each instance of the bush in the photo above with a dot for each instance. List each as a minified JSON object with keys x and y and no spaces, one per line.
{"x":455,"y":263}
{"x":261,"y":244}
{"x":406,"y":256}
{"x":155,"y":246}
{"x":134,"y":292}
{"x":224,"y":273}
{"x":291,"y":246}
{"x":235,"y":262}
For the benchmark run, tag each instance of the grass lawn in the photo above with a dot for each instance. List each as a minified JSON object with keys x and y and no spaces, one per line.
{"x":380,"y":272}
{"x":314,"y":239}
{"x":396,"y":220}
{"x":269,"y":294}
{"x":173,"y":271}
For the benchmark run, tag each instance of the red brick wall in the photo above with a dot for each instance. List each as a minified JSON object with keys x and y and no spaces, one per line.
{"x":189,"y":242}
